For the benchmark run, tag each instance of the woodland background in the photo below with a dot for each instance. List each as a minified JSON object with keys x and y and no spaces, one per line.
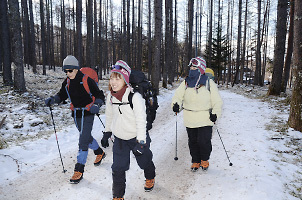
{"x":244,"y":42}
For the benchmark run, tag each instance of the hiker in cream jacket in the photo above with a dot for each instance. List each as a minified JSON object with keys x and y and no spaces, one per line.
{"x":201,"y":103}
{"x":127,"y":122}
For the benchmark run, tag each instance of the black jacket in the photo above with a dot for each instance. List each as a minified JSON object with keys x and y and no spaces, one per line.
{"x":78,"y":95}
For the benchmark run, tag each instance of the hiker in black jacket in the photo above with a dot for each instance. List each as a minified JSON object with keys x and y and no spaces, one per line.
{"x":84,"y":105}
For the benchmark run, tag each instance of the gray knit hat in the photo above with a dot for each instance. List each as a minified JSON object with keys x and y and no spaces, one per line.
{"x":70,"y":62}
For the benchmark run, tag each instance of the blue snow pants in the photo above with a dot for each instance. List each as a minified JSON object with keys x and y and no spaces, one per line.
{"x":85,"y":138}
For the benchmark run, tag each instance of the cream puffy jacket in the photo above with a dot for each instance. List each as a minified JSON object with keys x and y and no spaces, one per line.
{"x":123,"y":121}
{"x":196,"y":104}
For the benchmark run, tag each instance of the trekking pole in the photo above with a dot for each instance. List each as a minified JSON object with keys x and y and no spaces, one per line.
{"x":176,"y":158}
{"x":54,"y":126}
{"x":231,"y":164}
{"x":100,"y":119}
{"x":103,"y":125}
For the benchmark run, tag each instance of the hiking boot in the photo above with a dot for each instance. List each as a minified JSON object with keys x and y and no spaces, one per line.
{"x":149,"y":185}
{"x":195,"y":167}
{"x":204,"y":165}
{"x":76,"y":178}
{"x":116,"y":198}
{"x":78,"y":173}
{"x":99,"y":159}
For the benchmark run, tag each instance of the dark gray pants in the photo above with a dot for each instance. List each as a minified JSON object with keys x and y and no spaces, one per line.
{"x":200,"y":144}
{"x":121,"y":163}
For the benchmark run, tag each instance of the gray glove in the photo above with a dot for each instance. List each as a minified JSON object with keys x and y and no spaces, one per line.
{"x":94,"y":109}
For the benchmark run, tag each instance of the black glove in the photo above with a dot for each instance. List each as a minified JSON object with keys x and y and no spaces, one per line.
{"x":139,"y":148}
{"x":51,"y":100}
{"x":104,"y":141}
{"x":213,"y":117}
{"x":176,"y":108}
{"x":94,"y":109}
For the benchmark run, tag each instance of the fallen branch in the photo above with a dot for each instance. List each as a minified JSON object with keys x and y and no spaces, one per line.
{"x":18,"y":163}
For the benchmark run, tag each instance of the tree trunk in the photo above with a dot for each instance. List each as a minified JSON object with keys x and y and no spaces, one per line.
{"x":25,"y":31}
{"x":43,"y":41}
{"x":257,"y":77}
{"x":79,"y":52}
{"x":275,"y":86}
{"x":89,"y":44}
{"x":209,"y":61}
{"x":6,"y":46}
{"x":63,"y":34}
{"x":19,"y":81}
{"x":149,"y":41}
{"x":190,"y":27}
{"x":290,"y":44}
{"x":95,"y":35}
{"x":244,"y":44}
{"x":32,"y":46}
{"x":238,"y":44}
{"x":139,"y":36}
{"x":157,"y":37}
{"x":295,"y":116}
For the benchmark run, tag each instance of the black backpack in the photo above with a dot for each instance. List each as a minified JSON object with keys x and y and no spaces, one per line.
{"x":141,"y":84}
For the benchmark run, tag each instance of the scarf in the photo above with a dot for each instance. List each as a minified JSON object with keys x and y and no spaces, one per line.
{"x":119,"y":94}
{"x":196,"y":79}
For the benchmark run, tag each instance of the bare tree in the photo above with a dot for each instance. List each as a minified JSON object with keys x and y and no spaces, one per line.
{"x":238,"y":43}
{"x":79,"y":52}
{"x":19,"y":81}
{"x":5,"y":47}
{"x":290,"y":44}
{"x":63,"y":32}
{"x":295,"y":116}
{"x":149,"y":41}
{"x":190,"y":28}
{"x":275,"y":86}
{"x":32,"y":46}
{"x":157,"y":37}
{"x":89,"y":44}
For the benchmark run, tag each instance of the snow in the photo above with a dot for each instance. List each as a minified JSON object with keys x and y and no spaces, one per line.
{"x":266,"y":161}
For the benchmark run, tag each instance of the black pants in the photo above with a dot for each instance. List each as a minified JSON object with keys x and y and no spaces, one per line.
{"x":121,"y":163}
{"x":200,"y":143}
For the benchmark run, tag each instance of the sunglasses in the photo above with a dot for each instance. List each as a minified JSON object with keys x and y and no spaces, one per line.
{"x":68,"y":70}
{"x":118,"y":67}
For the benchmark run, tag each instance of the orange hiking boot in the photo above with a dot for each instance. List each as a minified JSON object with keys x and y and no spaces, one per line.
{"x":99,"y":159}
{"x":116,"y":198}
{"x":76,"y":178}
{"x":149,"y":185}
{"x":78,"y":173}
{"x":195,"y":167}
{"x":204,"y":165}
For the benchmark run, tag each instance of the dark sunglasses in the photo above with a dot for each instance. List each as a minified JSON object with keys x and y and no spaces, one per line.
{"x":68,"y":70}
{"x":118,"y":67}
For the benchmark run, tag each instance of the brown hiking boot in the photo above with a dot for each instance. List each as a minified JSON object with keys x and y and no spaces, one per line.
{"x":204,"y":165}
{"x":77,"y":177}
{"x":115,"y":198}
{"x":149,"y":185}
{"x":195,"y":167}
{"x":99,"y":159}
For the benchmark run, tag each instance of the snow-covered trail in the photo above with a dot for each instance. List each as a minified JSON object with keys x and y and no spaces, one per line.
{"x":242,"y":128}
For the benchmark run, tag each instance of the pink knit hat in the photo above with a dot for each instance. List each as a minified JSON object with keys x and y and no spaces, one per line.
{"x":200,"y":63}
{"x":123,"y":69}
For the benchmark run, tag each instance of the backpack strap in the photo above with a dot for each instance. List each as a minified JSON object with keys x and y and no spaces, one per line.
{"x":130,"y":97}
{"x":86,"y":86}
{"x":208,"y":85}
